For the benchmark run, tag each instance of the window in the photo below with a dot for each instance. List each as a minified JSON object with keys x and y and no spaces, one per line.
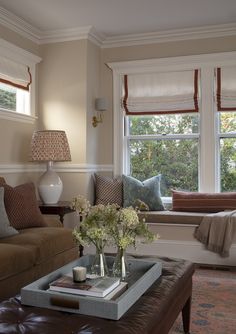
{"x":193,"y":147}
{"x":17,"y":83}
{"x":14,"y":99}
{"x":166,"y":141}
{"x":226,"y":106}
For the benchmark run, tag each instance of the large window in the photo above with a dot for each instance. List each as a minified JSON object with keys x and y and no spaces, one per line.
{"x":165,"y":144}
{"x":193,"y":146}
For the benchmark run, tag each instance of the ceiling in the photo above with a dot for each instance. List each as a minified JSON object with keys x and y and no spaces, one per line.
{"x":112,"y":18}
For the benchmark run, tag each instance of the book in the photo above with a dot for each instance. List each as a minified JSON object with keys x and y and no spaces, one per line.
{"x":97,"y":287}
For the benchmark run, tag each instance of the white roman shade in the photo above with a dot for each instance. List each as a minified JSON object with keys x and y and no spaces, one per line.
{"x":160,"y":93}
{"x":226,"y":88}
{"x":14,"y":74}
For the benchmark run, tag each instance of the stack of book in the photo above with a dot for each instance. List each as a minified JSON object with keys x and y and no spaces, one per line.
{"x":102,"y":287}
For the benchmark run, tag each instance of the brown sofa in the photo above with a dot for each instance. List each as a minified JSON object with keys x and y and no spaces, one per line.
{"x":33,"y":253}
{"x":31,"y":245}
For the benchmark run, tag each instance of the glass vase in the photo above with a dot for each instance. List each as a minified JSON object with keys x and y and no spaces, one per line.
{"x":99,"y":265}
{"x":119,"y":268}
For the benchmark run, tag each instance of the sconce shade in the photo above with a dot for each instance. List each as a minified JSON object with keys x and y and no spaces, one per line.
{"x":101,"y":104}
{"x":50,"y":145}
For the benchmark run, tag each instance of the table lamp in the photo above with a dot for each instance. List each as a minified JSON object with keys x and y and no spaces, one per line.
{"x":50,"y":146}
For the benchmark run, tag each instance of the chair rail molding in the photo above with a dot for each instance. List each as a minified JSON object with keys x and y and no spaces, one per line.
{"x":58,"y":167}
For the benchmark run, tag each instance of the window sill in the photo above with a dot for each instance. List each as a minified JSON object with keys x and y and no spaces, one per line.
{"x":13,"y":116}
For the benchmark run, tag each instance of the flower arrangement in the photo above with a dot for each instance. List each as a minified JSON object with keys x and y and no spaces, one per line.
{"x":109,"y":224}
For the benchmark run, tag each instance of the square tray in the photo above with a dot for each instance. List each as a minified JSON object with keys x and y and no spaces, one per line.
{"x":142,"y":275}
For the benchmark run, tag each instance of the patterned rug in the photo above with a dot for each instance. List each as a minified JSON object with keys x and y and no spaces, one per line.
{"x":213,"y":303}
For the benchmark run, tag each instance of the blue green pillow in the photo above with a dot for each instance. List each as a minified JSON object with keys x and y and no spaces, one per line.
{"x":147,"y":191}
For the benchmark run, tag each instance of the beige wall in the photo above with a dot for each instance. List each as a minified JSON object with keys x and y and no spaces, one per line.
{"x":15,"y":136}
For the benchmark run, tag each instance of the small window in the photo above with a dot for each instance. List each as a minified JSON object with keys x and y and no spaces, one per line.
{"x":14,"y":99}
{"x":17,"y":83}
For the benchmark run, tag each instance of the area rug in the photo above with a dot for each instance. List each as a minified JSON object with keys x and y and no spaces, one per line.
{"x":213,"y":303}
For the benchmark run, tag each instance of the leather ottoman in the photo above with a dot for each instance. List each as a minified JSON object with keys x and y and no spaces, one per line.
{"x":154,"y":313}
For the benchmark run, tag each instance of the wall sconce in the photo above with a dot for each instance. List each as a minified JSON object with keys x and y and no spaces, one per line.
{"x":100,"y":106}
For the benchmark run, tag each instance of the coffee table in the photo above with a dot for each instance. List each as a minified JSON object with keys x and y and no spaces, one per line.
{"x":154,"y":312}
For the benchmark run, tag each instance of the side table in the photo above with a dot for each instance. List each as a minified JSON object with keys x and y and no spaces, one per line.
{"x":61,"y":209}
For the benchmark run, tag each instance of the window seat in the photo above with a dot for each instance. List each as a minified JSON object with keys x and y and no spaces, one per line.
{"x":176,"y":230}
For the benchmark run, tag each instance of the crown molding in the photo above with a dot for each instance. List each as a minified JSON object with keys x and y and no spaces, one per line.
{"x":38,"y":36}
{"x":20,"y":26}
{"x":63,"y":35}
{"x":171,"y":35}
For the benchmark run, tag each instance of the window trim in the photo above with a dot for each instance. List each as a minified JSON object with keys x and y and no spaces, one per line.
{"x":208,"y":173}
{"x":9,"y":50}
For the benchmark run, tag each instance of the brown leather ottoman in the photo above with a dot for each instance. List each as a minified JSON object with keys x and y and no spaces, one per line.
{"x":154,"y":313}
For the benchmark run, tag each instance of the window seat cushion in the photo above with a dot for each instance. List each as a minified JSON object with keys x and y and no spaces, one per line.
{"x":173,"y":217}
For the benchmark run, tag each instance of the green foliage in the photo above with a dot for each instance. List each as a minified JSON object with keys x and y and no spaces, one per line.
{"x":177,"y":159}
{"x":7,"y":100}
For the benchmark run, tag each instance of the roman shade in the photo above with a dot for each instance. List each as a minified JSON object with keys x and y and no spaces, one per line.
{"x":14,"y":74}
{"x":161,"y":93}
{"x":226,"y":88}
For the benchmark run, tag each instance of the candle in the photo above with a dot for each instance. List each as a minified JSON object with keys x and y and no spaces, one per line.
{"x":79,"y":274}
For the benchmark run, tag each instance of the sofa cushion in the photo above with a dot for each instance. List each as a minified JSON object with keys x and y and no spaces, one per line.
{"x":173,"y":217}
{"x":5,"y":228}
{"x":45,"y":242}
{"x":15,"y":259}
{"x":22,"y":207}
{"x":108,"y":190}
{"x":147,"y":191}
{"x":203,"y":202}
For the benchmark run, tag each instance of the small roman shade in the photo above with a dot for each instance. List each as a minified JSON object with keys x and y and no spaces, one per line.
{"x":14,"y":74}
{"x":226,"y":88}
{"x":161,"y":93}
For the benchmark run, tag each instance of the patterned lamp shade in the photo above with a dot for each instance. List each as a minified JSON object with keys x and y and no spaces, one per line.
{"x":50,"y":145}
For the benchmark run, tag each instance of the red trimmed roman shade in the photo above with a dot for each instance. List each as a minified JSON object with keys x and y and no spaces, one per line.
{"x":226,"y":88}
{"x":161,"y":93}
{"x":14,"y":74}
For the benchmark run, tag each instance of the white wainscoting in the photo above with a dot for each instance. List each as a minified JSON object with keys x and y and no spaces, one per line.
{"x":188,"y":250}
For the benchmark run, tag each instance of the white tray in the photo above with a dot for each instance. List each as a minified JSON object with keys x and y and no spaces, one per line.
{"x":142,"y":275}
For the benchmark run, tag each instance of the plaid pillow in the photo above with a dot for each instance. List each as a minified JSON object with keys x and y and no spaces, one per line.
{"x":108,"y":190}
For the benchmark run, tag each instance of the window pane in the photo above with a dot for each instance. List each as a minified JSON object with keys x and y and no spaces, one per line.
{"x":227,"y":122}
{"x":7,"y":97}
{"x":228,"y":164}
{"x":176,"y":160}
{"x":163,"y":124}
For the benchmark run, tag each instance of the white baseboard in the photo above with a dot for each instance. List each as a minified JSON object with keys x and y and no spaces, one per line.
{"x":188,"y":250}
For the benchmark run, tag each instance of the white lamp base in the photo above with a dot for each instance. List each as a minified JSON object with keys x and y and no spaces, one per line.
{"x":50,"y":186}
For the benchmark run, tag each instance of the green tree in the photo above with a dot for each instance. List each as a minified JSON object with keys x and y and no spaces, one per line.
{"x":7,"y":100}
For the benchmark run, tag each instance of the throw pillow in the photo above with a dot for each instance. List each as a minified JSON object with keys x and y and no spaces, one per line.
{"x":5,"y":229}
{"x":108,"y":190}
{"x":2,"y":180}
{"x":203,"y":202}
{"x":22,"y":207}
{"x":147,"y":191}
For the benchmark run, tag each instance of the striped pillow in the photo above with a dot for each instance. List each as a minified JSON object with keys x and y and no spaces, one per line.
{"x":203,"y":202}
{"x":108,"y":190}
